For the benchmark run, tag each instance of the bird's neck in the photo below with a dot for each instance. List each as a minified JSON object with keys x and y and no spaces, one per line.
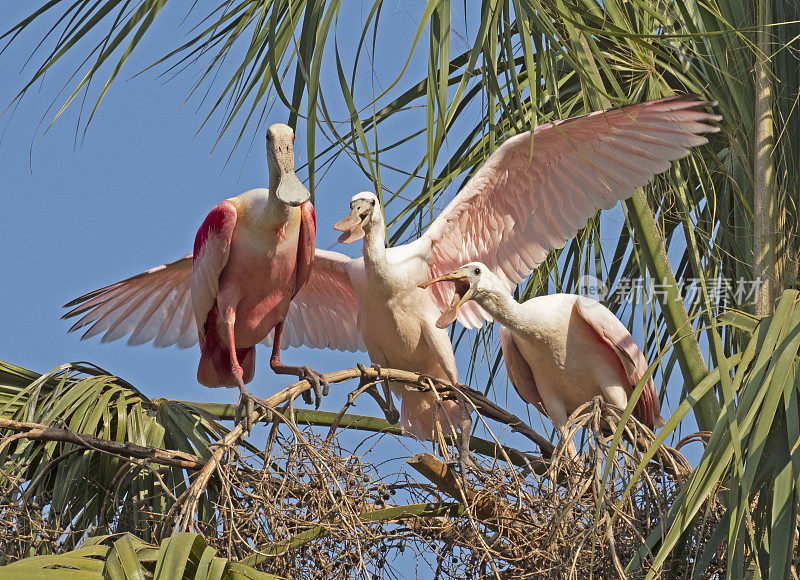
{"x":375,"y":259}
{"x":502,"y":307}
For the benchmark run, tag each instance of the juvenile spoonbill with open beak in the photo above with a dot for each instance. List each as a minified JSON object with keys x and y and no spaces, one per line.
{"x":560,"y":350}
{"x":531,"y":196}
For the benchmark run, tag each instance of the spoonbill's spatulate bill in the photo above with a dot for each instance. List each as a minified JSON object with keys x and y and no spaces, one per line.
{"x":531,"y":195}
{"x":252,"y":254}
{"x":560,"y":350}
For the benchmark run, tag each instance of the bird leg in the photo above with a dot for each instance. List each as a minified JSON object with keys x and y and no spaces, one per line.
{"x":246,"y":400}
{"x":460,"y":432}
{"x":465,"y":458}
{"x":385,"y":402}
{"x":565,"y":442}
{"x":317,"y":380}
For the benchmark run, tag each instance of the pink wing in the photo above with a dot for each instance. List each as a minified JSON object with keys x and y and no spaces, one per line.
{"x":614,"y":333}
{"x":324,"y":313}
{"x":157,"y":305}
{"x":519,"y":371}
{"x":536,"y":191}
{"x":154,"y":305}
{"x":212,"y":244}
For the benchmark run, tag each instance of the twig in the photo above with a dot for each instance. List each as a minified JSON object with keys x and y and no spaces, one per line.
{"x":394,"y":513}
{"x":39,"y":432}
{"x":486,"y":407}
{"x":225,"y":411}
{"x":441,"y":475}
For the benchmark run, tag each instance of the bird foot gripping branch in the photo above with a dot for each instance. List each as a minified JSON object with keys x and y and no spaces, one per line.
{"x":368,"y":385}
{"x":319,"y":384}
{"x":245,"y":407}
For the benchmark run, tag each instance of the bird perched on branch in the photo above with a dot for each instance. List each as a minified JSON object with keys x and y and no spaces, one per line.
{"x":252,"y":254}
{"x":530,"y":196}
{"x":560,"y":350}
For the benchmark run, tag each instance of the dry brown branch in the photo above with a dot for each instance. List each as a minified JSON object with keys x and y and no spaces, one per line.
{"x":189,"y":500}
{"x":306,"y":507}
{"x":39,"y":432}
{"x":486,"y":507}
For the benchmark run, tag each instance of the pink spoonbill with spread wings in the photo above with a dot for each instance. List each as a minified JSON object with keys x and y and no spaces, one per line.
{"x":252,"y":254}
{"x":560,"y":350}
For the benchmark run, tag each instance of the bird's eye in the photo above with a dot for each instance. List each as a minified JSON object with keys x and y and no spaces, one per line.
{"x":269,"y":137}
{"x":372,"y":202}
{"x":477,"y":271}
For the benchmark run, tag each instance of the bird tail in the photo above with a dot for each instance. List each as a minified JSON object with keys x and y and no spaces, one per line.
{"x":417,"y":414}
{"x":215,"y":368}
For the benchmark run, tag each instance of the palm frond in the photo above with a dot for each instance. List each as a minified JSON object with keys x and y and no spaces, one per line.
{"x":75,"y":489}
{"x":183,"y":556}
{"x":750,"y":460}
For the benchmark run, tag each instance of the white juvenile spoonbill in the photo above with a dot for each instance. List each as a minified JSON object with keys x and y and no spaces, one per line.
{"x":530,"y":196}
{"x":560,"y":350}
{"x":252,"y":254}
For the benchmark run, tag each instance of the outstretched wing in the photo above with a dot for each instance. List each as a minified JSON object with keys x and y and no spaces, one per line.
{"x":537,"y":190}
{"x":157,"y":305}
{"x":324,"y":312}
{"x":154,"y":305}
{"x":611,"y":330}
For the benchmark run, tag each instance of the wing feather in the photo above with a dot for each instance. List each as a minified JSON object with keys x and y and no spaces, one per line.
{"x":156,"y":305}
{"x":212,"y":244}
{"x":527,"y":200}
{"x":324,"y":312}
{"x":142,"y":305}
{"x":611,"y":330}
{"x":519,"y":371}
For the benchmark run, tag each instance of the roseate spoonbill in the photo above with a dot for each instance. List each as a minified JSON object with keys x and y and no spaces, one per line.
{"x":531,"y":195}
{"x":560,"y":350}
{"x":252,"y":254}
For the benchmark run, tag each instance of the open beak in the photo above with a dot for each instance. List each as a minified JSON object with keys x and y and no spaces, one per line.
{"x":463,"y":292}
{"x":291,"y":191}
{"x":351,"y":226}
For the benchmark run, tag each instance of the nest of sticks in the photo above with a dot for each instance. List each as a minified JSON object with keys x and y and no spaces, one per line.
{"x":308,"y":507}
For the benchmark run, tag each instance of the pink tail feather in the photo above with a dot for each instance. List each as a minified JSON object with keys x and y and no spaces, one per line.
{"x":417,"y":414}
{"x":215,"y":367}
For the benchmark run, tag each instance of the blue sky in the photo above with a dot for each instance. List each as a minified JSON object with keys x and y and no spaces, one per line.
{"x":80,"y":213}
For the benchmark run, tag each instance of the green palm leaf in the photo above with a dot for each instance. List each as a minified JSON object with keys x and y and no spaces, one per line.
{"x":79,"y":490}
{"x":126,"y":557}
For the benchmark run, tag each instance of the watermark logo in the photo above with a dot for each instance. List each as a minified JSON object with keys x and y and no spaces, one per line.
{"x":592,"y":287}
{"x":721,"y":291}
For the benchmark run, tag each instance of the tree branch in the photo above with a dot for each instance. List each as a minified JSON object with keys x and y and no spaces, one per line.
{"x":227,"y":412}
{"x":192,"y":495}
{"x":168,"y":457}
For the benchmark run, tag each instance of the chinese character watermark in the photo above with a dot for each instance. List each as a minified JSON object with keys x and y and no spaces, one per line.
{"x":720,"y":291}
